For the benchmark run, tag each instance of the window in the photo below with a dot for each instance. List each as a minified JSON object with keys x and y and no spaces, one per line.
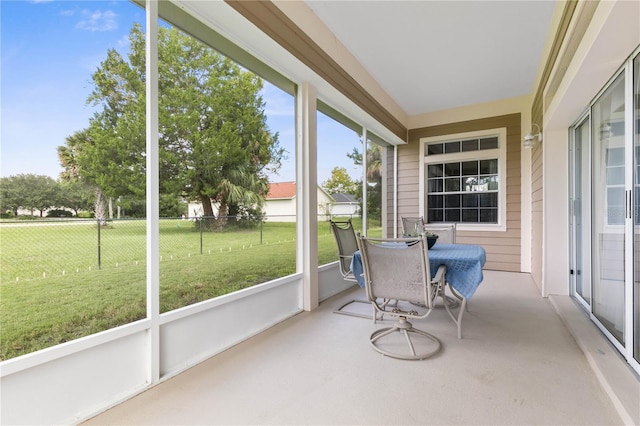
{"x":464,"y":179}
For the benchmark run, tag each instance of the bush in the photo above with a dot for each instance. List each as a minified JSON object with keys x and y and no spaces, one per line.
{"x":245,"y":217}
{"x":59,"y":213}
{"x":6,"y":215}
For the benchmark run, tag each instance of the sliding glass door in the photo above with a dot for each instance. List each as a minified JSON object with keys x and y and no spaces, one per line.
{"x":636,"y":225}
{"x":581,"y":215}
{"x":605,"y":210}
{"x":609,"y":208}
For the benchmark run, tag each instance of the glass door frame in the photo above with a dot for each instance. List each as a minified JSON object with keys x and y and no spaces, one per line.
{"x":626,"y":348}
{"x":585,"y":211}
{"x":633,"y":160}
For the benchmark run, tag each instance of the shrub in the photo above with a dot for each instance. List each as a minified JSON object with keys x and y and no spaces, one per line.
{"x":59,"y":213}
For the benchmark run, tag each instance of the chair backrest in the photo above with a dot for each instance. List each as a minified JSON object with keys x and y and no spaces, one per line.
{"x":347,"y":243}
{"x":446,"y":232}
{"x":411,"y":225}
{"x":397,"y":269}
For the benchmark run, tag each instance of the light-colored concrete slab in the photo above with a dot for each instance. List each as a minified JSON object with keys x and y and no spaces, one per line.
{"x":615,"y":375}
{"x":517,"y":364}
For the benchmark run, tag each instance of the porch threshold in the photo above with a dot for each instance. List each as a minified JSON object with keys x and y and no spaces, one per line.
{"x":617,"y":378}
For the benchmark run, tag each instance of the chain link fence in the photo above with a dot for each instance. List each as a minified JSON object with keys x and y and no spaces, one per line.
{"x":42,"y":248}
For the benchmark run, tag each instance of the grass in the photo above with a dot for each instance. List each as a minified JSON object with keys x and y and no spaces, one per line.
{"x":52,"y":291}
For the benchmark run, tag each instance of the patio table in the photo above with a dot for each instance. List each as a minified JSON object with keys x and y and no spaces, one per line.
{"x":464,"y":264}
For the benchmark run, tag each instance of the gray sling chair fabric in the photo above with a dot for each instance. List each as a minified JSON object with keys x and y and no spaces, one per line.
{"x":446,"y":232}
{"x":347,"y":243}
{"x":399,"y":269}
{"x":411,"y":225}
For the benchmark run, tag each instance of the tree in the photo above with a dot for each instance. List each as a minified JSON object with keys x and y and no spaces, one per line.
{"x":214,"y":141}
{"x":77,"y":195}
{"x":69,"y":155}
{"x":374,"y":162}
{"x":374,"y":178}
{"x":340,"y":182}
{"x":10,"y":195}
{"x":30,"y":191}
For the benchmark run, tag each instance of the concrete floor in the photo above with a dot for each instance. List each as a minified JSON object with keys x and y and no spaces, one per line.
{"x":517,"y":364}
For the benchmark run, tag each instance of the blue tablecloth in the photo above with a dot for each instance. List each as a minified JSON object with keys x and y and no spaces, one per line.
{"x":464,"y":264}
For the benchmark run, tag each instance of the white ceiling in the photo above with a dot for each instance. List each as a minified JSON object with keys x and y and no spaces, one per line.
{"x":434,"y":55}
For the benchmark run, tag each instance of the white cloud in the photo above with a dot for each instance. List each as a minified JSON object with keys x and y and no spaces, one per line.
{"x":124,"y":41}
{"x":98,"y":21}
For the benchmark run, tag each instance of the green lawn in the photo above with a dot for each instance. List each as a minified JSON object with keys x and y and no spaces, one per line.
{"x":52,"y":290}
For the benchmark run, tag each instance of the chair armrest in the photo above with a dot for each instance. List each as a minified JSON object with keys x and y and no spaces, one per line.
{"x":442,"y":269}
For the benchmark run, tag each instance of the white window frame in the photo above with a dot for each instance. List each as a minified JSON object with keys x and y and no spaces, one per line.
{"x":500,"y":153}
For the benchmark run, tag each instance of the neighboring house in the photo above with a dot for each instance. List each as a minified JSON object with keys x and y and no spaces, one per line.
{"x":195,"y":209}
{"x":280,"y":203}
{"x":345,"y":205}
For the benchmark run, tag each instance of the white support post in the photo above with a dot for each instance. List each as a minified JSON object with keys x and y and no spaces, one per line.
{"x":364,"y":181}
{"x":307,"y":194}
{"x":395,"y":189}
{"x":153,"y":190}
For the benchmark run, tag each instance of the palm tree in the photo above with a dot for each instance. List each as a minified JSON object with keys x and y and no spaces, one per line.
{"x":67,"y":154}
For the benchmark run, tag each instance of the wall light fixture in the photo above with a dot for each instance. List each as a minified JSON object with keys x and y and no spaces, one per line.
{"x":532,"y":139}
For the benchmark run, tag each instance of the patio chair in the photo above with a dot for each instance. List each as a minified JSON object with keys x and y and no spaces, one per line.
{"x":411,"y":226}
{"x":347,"y":243}
{"x":446,"y":233}
{"x":399,"y":269}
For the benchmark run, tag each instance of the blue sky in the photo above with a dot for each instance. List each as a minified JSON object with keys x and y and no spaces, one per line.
{"x":49,"y":49}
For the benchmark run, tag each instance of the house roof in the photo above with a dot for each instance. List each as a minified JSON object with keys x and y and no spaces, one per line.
{"x":286,"y":191}
{"x":280,"y":190}
{"x":344,"y":198}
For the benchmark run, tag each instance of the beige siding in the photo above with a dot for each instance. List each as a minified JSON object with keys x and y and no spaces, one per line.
{"x":503,"y":248}
{"x":408,"y":181}
{"x":536,"y":215}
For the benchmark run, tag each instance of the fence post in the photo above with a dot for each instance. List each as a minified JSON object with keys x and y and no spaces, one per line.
{"x":201,"y":219}
{"x":261,"y":222}
{"x":99,"y":254}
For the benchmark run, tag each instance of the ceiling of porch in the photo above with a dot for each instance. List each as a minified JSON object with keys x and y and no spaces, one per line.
{"x":449,"y":53}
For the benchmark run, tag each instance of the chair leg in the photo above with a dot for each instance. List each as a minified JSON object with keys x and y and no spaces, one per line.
{"x":459,"y":322}
{"x":374,"y":315}
{"x":406,"y":328}
{"x":353,"y":314}
{"x":458,"y":296}
{"x":453,"y":303}
{"x":406,"y":336}
{"x":383,"y":305}
{"x":458,"y":319}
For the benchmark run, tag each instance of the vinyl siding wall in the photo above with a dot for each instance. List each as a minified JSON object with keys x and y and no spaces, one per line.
{"x":537,"y":210}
